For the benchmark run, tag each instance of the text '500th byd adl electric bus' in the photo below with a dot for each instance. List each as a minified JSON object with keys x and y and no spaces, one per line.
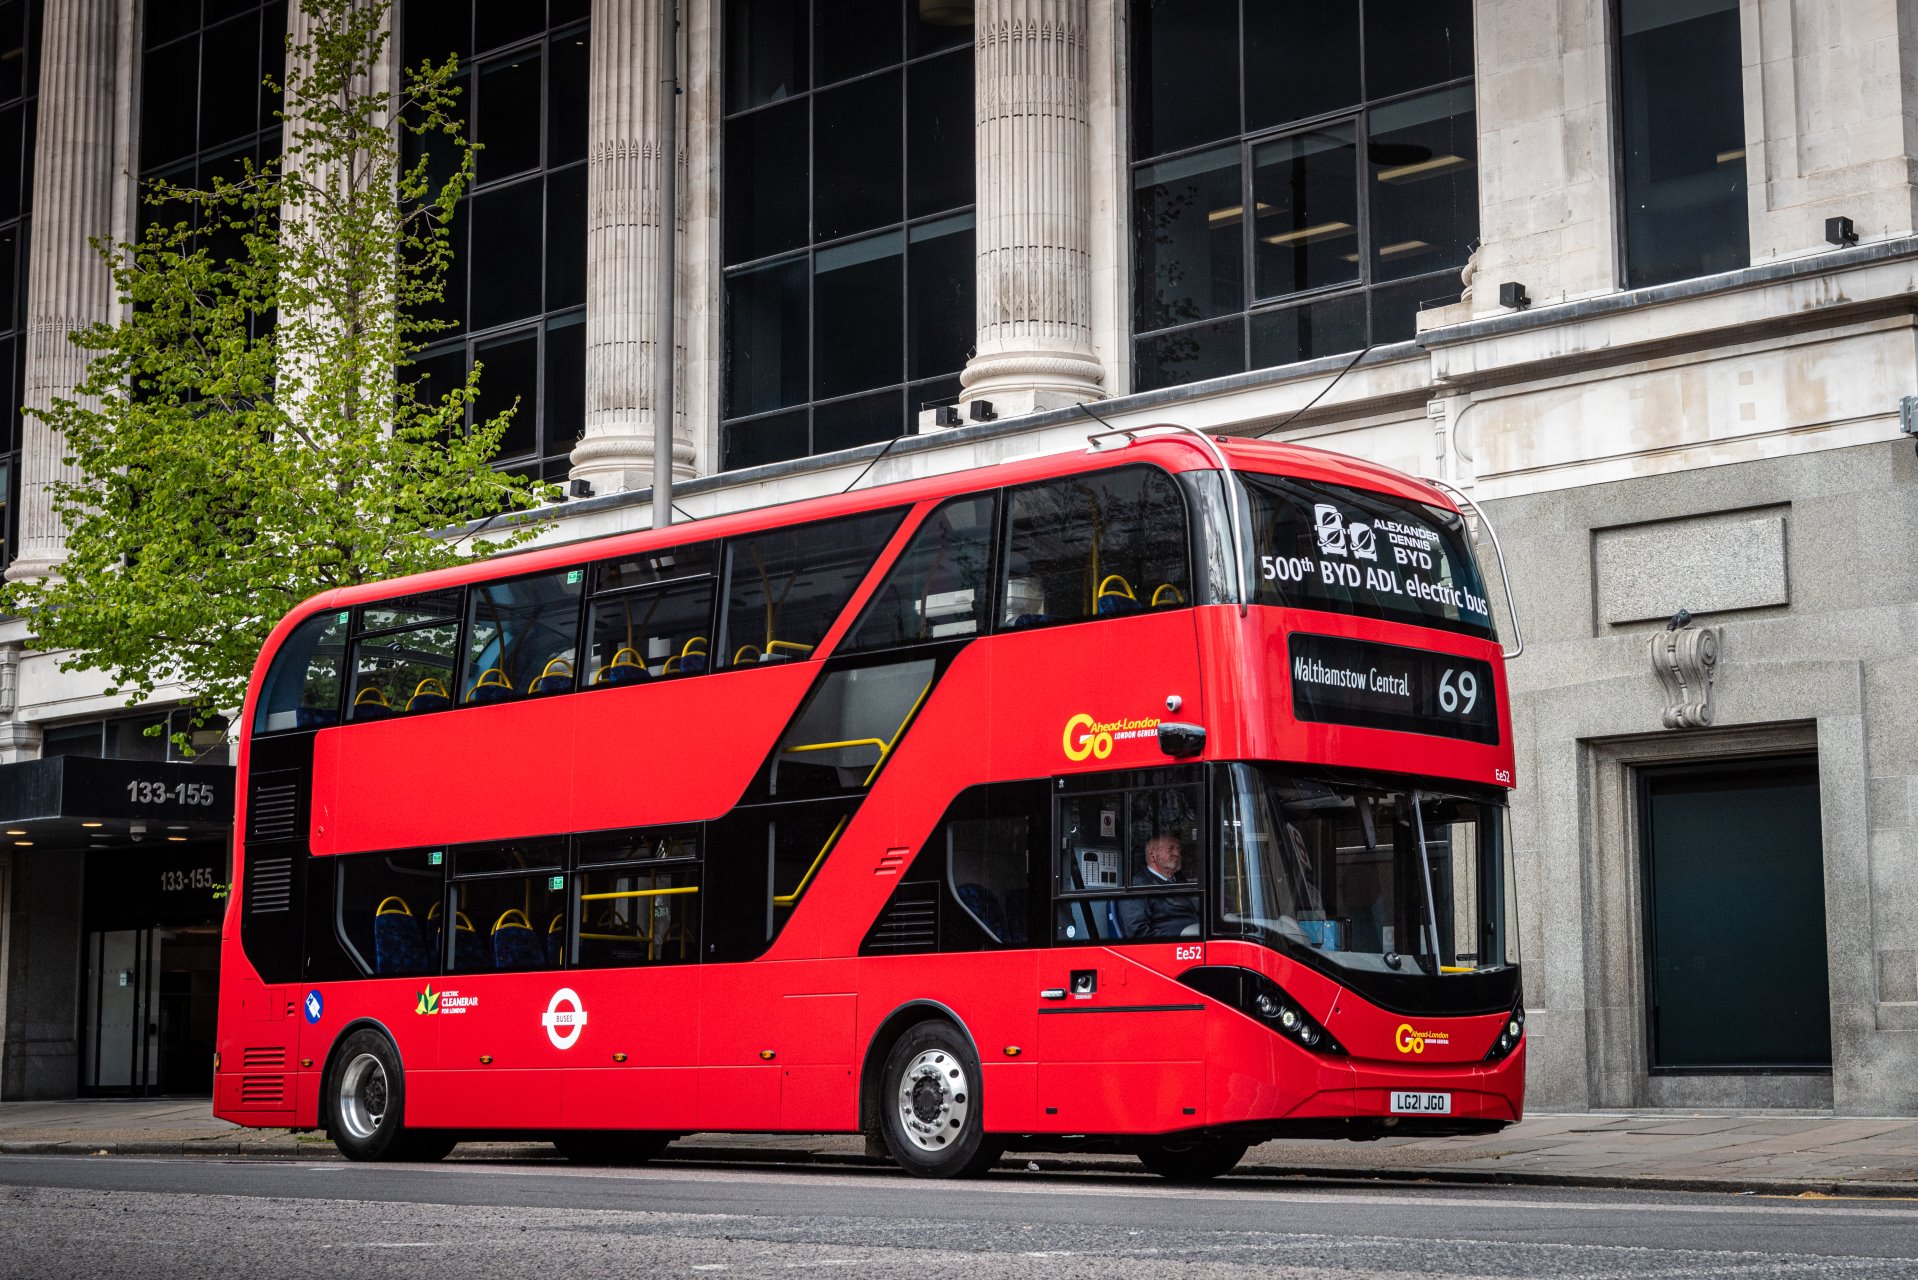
{"x":1148,"y":796}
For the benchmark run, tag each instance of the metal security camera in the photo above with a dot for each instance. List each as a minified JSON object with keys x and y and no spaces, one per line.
{"x":138,"y":831}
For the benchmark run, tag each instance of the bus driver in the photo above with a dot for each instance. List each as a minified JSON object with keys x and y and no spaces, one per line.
{"x":1156,"y":916}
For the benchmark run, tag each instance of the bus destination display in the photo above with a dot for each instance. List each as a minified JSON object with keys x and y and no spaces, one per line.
{"x":1386,"y":686}
{"x":1321,"y":546}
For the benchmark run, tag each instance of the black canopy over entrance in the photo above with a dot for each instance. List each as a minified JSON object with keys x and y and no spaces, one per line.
{"x":80,"y":802}
{"x":127,"y":863}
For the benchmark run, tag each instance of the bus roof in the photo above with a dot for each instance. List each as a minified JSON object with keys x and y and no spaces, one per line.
{"x":1173,"y":450}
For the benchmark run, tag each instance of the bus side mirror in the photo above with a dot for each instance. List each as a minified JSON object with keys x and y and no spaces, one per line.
{"x":1181,"y":740}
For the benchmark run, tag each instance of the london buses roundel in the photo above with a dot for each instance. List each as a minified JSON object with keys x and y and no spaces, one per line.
{"x":564,"y":1017}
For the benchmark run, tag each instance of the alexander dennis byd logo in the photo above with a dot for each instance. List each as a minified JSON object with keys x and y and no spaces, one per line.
{"x":1337,"y":538}
{"x":1410,"y":1041}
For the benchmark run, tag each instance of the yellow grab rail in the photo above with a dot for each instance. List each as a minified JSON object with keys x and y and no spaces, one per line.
{"x":787,"y":899}
{"x":638,"y":893}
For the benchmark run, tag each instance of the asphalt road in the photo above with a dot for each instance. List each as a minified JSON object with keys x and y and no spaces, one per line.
{"x":163,"y":1218}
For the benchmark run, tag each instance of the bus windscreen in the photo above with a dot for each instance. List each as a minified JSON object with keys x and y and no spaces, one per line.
{"x":1321,"y":546}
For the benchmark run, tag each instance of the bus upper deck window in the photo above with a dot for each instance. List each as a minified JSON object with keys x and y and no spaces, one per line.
{"x":302,"y":689}
{"x":520,"y":637}
{"x":937,"y":589}
{"x":785,"y":588}
{"x":403,"y":656}
{"x":1106,"y":544}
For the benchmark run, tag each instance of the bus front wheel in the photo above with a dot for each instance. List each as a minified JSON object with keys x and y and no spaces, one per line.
{"x":366,"y":1104}
{"x":931,"y":1110}
{"x":1191,"y":1159}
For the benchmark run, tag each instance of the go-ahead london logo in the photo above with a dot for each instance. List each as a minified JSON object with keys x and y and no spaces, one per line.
{"x":564,"y":1018}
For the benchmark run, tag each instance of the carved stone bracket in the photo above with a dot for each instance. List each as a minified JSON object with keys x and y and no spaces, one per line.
{"x":1685,"y":659}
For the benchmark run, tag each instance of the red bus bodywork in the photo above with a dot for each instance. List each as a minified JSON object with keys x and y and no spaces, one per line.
{"x":792,"y":1041}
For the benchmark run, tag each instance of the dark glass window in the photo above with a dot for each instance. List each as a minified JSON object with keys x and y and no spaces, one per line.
{"x":650,"y":633}
{"x":1129,"y":860}
{"x":387,"y":912}
{"x":302,"y":688}
{"x":19,"y":88}
{"x":507,"y":919}
{"x":403,"y":657}
{"x":516,"y":289}
{"x":939,"y":587}
{"x":1323,"y":546}
{"x":763,"y":860}
{"x":981,"y":882}
{"x":642,"y":911}
{"x":652,"y":616}
{"x":1104,"y":544}
{"x":848,"y":223}
{"x":521,"y":636}
{"x":785,"y":588}
{"x":1682,"y":117}
{"x":1303,"y":178}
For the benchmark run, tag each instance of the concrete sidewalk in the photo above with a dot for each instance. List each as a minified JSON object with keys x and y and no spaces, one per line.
{"x":1771,"y":1153}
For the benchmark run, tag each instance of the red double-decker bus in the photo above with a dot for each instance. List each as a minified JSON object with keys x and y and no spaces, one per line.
{"x":1148,"y":795}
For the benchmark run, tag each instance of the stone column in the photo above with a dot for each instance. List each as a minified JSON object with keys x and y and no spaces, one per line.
{"x":623,"y":221}
{"x":1034,"y":176}
{"x":68,"y":288}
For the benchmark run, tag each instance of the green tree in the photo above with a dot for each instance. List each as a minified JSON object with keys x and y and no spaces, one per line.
{"x":253,"y":431}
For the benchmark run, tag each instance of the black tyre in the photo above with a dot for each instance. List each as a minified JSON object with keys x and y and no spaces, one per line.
{"x":364,"y":1104}
{"x":1191,"y":1159}
{"x":932,"y":1112}
{"x":611,"y":1147}
{"x":426,"y":1146}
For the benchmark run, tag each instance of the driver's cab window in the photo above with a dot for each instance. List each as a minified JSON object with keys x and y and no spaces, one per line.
{"x":1129,"y":860}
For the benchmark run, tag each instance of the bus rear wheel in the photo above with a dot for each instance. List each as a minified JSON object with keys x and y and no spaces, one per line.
{"x":931,"y":1110}
{"x":1191,"y":1159}
{"x":611,"y":1147}
{"x":365,"y":1105}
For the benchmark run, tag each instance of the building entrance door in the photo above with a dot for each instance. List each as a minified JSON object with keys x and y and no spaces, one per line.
{"x":1735,"y":917}
{"x":152,"y":996}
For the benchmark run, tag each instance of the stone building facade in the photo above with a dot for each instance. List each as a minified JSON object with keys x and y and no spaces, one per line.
{"x":1638,"y":277}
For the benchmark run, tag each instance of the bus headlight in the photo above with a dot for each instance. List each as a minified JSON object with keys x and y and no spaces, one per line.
{"x":1257,"y":996}
{"x":1510,"y":1034}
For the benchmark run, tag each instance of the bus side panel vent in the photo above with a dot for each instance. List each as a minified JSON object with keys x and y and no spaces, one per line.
{"x":270,"y":885}
{"x":273,"y":810}
{"x":910,"y":922}
{"x":262,"y":1091}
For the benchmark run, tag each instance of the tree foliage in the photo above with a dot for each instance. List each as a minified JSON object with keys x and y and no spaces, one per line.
{"x":252,"y":429}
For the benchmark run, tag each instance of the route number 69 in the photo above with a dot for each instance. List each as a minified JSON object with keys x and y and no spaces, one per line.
{"x":1451,"y":691}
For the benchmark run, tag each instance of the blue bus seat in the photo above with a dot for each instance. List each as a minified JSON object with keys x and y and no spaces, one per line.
{"x":397,"y":945}
{"x":515,"y":945}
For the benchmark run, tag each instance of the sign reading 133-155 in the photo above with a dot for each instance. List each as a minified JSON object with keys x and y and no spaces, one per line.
{"x":146,"y":791}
